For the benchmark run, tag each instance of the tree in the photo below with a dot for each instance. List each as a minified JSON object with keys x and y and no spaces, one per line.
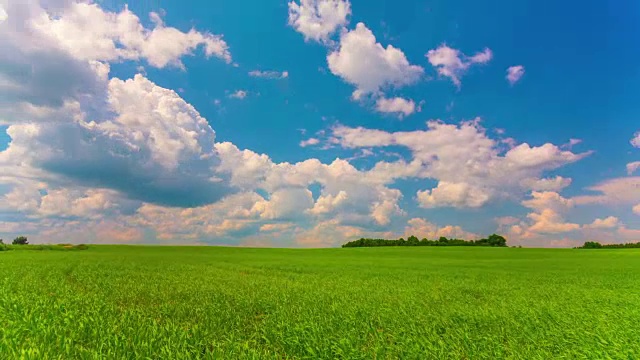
{"x":20,"y":240}
{"x":497,"y":240}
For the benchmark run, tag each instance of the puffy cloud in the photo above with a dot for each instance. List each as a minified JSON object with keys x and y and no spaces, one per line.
{"x":239,"y":94}
{"x":153,"y":146}
{"x":88,"y":32}
{"x":636,"y":140}
{"x":460,"y":195}
{"x":636,"y":209}
{"x":632,"y":167}
{"x":318,"y":19}
{"x":548,"y":184}
{"x":422,"y":228}
{"x":309,"y":142}
{"x":398,"y":105}
{"x":548,"y":221}
{"x":515,"y":73}
{"x":618,"y":191}
{"x":607,"y":223}
{"x":276,"y":227}
{"x":448,"y":153}
{"x":548,"y":200}
{"x":453,"y":64}
{"x":385,"y":67}
{"x":269,"y":74}
{"x":285,"y":204}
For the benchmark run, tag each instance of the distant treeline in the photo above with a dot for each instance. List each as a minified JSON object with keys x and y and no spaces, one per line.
{"x":493,"y":240}
{"x":597,"y":245}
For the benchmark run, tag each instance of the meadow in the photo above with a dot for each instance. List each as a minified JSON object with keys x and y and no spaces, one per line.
{"x":145,"y":302}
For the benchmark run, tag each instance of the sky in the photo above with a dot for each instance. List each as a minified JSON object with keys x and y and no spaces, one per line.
{"x":309,"y":123}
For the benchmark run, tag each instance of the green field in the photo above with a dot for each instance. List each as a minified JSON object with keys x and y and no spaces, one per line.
{"x":119,"y":302}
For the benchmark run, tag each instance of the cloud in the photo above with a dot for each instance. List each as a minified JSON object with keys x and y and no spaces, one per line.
{"x":632,"y":167}
{"x":239,"y":94}
{"x":515,"y":73}
{"x":318,"y":19}
{"x":151,"y":145}
{"x":617,"y":191}
{"x":309,"y":142}
{"x":422,"y":228}
{"x":88,"y":32}
{"x":636,"y":140}
{"x":449,"y":153}
{"x":269,"y":74}
{"x":385,"y":67}
{"x":398,"y":105}
{"x":547,"y":217}
{"x":607,"y":223}
{"x":459,"y":195}
{"x":636,"y":209}
{"x":453,"y":64}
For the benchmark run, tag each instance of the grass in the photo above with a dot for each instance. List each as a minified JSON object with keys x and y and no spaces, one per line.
{"x":119,"y":302}
{"x":55,"y":247}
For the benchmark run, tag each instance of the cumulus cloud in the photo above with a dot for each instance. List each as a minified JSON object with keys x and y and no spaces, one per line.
{"x":547,"y":216}
{"x":449,"y":153}
{"x":460,"y":195}
{"x":152,"y":146}
{"x":422,"y":228}
{"x":453,"y":64}
{"x":607,"y":223}
{"x":309,"y":142}
{"x":632,"y":167}
{"x":515,"y":73}
{"x":636,"y":140}
{"x":239,"y":94}
{"x":318,"y":19}
{"x":88,"y":32}
{"x":269,"y":74}
{"x":401,"y":107}
{"x":385,"y":67}
{"x":618,"y":191}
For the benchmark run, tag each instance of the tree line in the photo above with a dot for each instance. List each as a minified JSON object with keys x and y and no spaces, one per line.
{"x":597,"y":245}
{"x":493,"y":240}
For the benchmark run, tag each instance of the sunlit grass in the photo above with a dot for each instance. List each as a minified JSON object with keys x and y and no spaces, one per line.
{"x":112,"y":302}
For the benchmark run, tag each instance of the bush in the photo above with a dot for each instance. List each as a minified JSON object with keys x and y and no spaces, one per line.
{"x":20,"y":240}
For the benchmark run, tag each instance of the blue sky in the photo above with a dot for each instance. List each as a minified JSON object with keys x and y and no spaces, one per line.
{"x":221,"y":124}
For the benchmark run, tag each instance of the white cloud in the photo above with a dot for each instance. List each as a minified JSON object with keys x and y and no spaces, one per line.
{"x":398,"y":105}
{"x":448,"y":153}
{"x":607,"y":223}
{"x":422,"y":228}
{"x":453,"y":64}
{"x":309,"y":142}
{"x":636,"y":140}
{"x":385,"y":67}
{"x":636,"y":209}
{"x":88,"y":32}
{"x":460,"y":195}
{"x":239,"y":94}
{"x":547,"y":217}
{"x":3,"y":14}
{"x":618,"y":191}
{"x":632,"y":167}
{"x":515,"y":73}
{"x":556,"y":183}
{"x":318,"y":19}
{"x":269,"y":74}
{"x":148,"y":143}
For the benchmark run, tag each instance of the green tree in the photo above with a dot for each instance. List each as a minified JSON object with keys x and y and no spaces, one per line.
{"x":20,"y":240}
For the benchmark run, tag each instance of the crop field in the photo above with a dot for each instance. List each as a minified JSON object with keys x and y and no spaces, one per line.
{"x":137,"y":302}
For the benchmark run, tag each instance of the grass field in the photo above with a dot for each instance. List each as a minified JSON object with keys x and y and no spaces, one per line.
{"x":118,"y":302}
